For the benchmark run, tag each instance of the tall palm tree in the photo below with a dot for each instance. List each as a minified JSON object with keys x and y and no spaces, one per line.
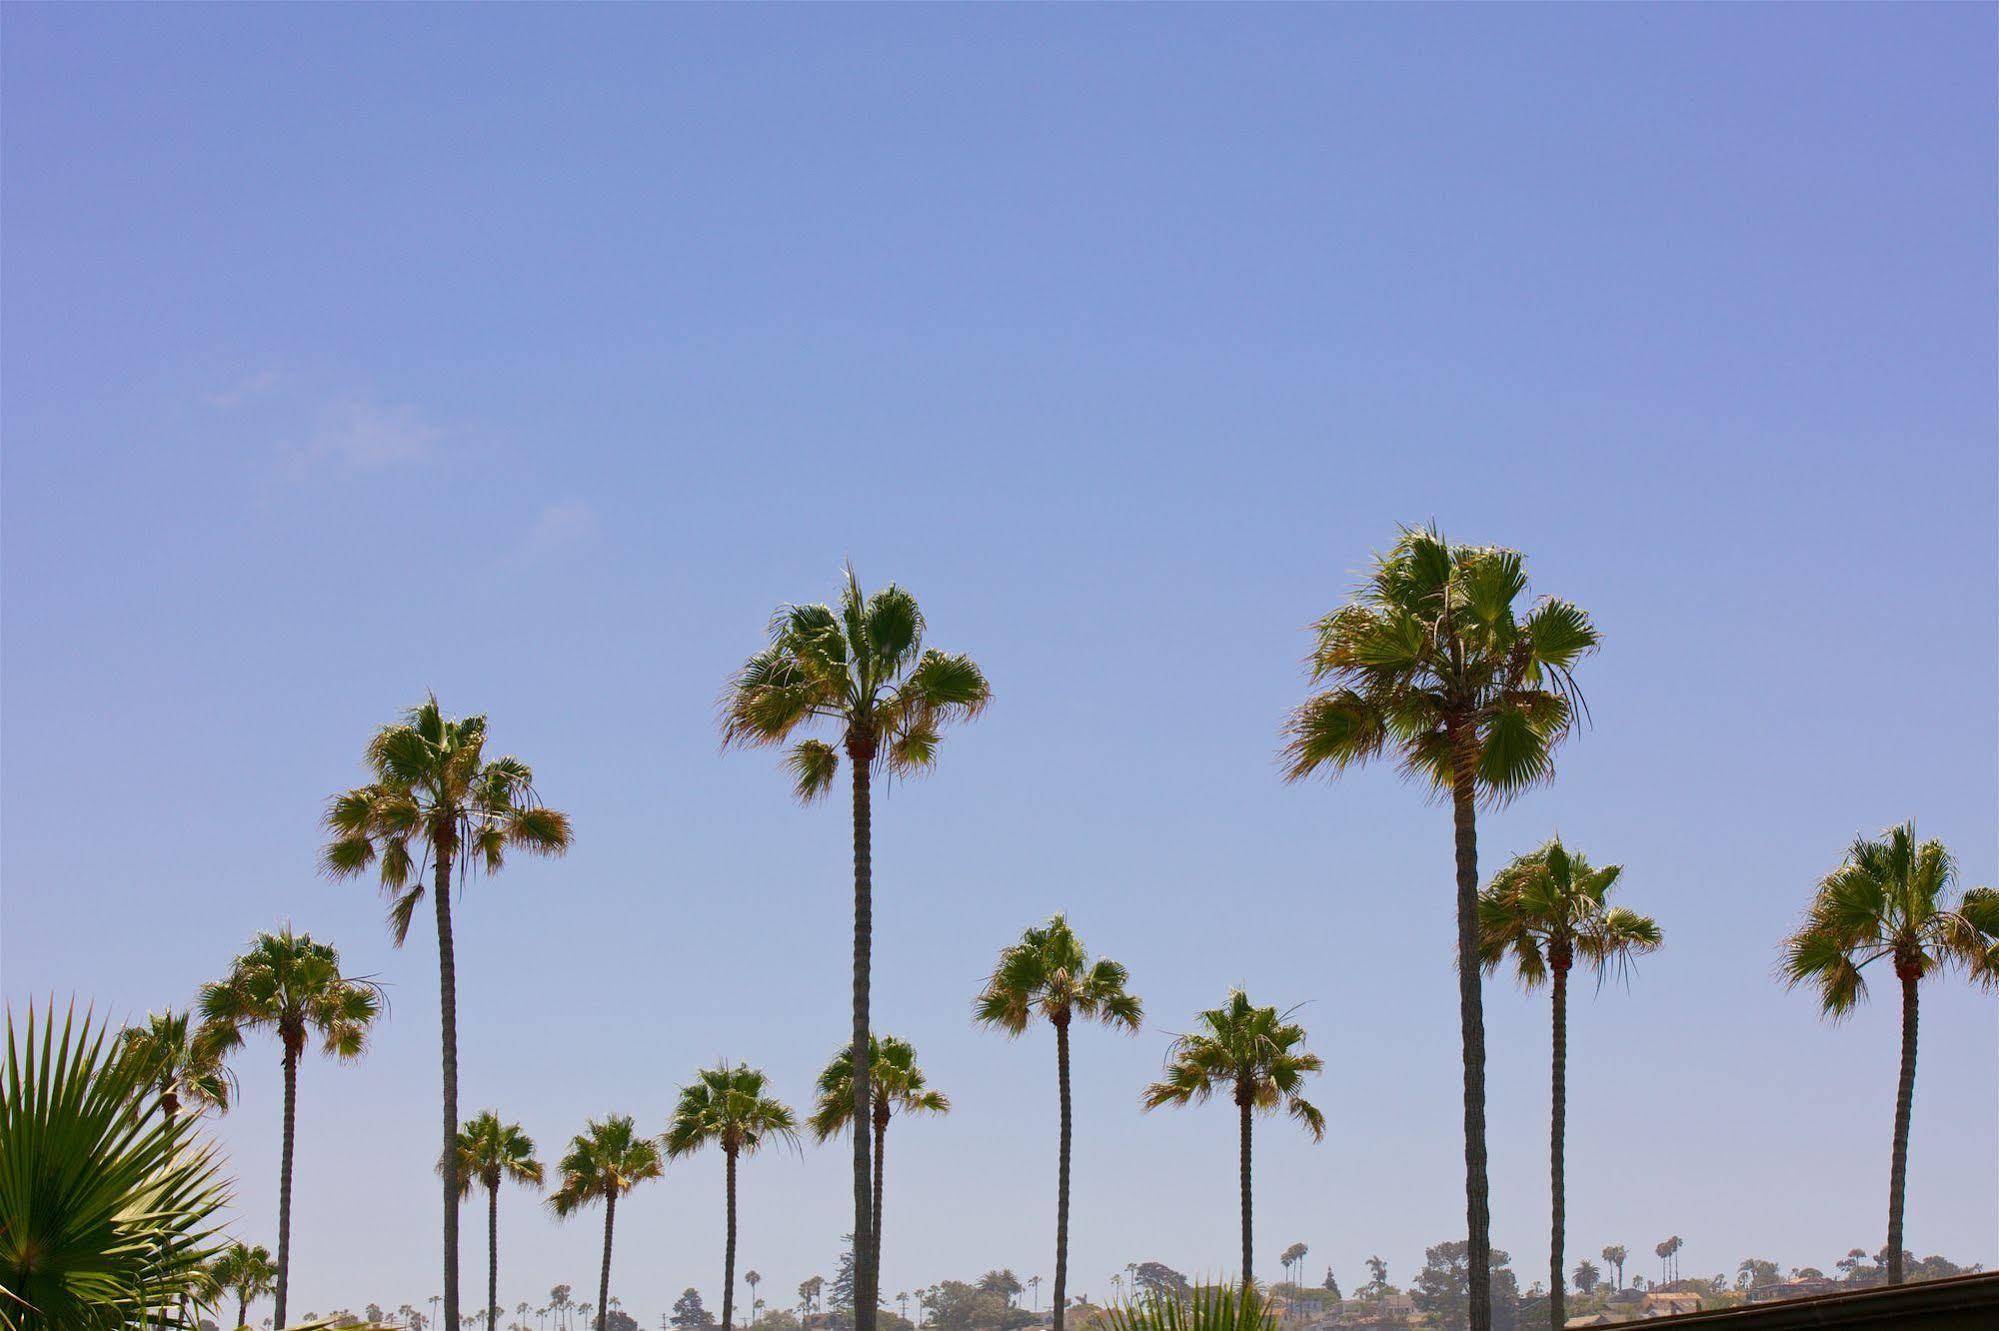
{"x":248,"y":1273}
{"x":898,"y":1085}
{"x":1256,"y":1054}
{"x":1050,"y":972}
{"x":604,"y":1162}
{"x":753,"y":1278}
{"x":167,"y":1054}
{"x":1548,"y":909}
{"x":1615,"y":1254}
{"x":1893,"y":898}
{"x":733,"y":1108}
{"x":437,"y":804}
{"x":290,"y":985}
{"x":490,"y":1152}
{"x":863,"y":670}
{"x":1432,"y":660}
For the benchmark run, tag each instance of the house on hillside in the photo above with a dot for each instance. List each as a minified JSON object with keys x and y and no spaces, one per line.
{"x":1669,"y":1304}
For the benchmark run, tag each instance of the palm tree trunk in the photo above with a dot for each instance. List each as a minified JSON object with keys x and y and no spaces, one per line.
{"x":285,"y":1185}
{"x":1557,"y":1131}
{"x":604,"y":1278}
{"x":1471,"y":1021}
{"x":493,"y":1255}
{"x":860,"y":756}
{"x":447,"y":983}
{"x":881,"y":1155}
{"x":1248,"y":1252}
{"x":242,"y":1312}
{"x":1062,"y":1172}
{"x":729,"y":1246}
{"x":1905,"y":1094}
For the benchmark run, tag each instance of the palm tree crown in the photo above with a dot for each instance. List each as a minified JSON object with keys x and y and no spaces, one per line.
{"x":864,"y":669}
{"x":245,"y":1271}
{"x":606,"y":1160}
{"x":1549,"y":908}
{"x":897,"y":1083}
{"x":1050,"y":973}
{"x":292,"y":986}
{"x":490,"y":1152}
{"x":1432,"y":659}
{"x":1252,"y":1052}
{"x":435,"y":793}
{"x":167,"y":1055}
{"x":1892,"y":898}
{"x":731,"y":1107}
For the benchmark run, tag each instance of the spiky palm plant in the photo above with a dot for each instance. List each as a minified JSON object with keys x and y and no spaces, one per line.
{"x":248,"y":1273}
{"x":730,"y":1107}
{"x":172,"y":1063}
{"x":1050,"y":973}
{"x":292,"y":986}
{"x":1433,"y":661}
{"x":863,"y":671}
{"x":107,"y":1206}
{"x":1203,"y":1308}
{"x":1893,"y":899}
{"x":899,"y":1086}
{"x":604,"y":1162}
{"x":491,"y":1152}
{"x":1548,"y":910}
{"x":437,"y":804}
{"x":1257,"y":1055}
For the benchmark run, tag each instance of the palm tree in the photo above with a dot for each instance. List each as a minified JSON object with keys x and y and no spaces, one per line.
{"x":437,"y":804}
{"x":1257,"y":1055}
{"x":733,"y":1108}
{"x":897,"y":1085}
{"x":1034,"y":1283}
{"x":604,"y":1162}
{"x":753,"y":1278}
{"x":1893,"y":898}
{"x":246,"y":1272}
{"x":1615,"y":1254}
{"x":290,"y":985}
{"x":167,"y":1055}
{"x":1431,"y":660}
{"x":864,"y":671}
{"x":1049,"y":972}
{"x":489,"y":1151}
{"x":1546,"y":909}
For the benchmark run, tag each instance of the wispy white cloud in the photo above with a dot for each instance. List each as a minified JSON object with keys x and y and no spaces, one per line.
{"x":360,"y":436}
{"x":565,"y":529}
{"x":260,"y":384}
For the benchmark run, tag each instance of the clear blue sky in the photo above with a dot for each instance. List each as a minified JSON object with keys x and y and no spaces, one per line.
{"x":532,"y":356}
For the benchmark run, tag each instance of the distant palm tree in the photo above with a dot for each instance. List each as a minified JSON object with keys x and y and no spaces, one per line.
{"x":1893,"y":899}
{"x":733,"y":1108}
{"x":1034,"y":1283}
{"x":1548,"y":909}
{"x":1615,"y":1255}
{"x":604,"y":1162}
{"x":1256,"y":1054}
{"x":752,"y":1278}
{"x":247,"y":1272}
{"x":1432,"y":661}
{"x":897,"y":1084}
{"x":489,"y":1152}
{"x":290,"y":985}
{"x":167,"y":1054}
{"x":436,"y":803}
{"x":1049,"y":972}
{"x":862,"y":669}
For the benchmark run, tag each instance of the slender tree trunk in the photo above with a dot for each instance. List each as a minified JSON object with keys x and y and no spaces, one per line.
{"x":447,"y":983}
{"x":1062,"y":1173}
{"x":1557,"y":1133}
{"x":729,"y":1244}
{"x":1471,"y":1021}
{"x":860,"y":756}
{"x":493,"y":1255}
{"x":242,"y":1312}
{"x":285,"y":1185}
{"x":604,"y":1278}
{"x":1905,"y":1094}
{"x":1248,"y":1252}
{"x":881,"y":1157}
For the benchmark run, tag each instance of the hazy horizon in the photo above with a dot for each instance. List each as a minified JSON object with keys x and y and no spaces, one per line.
{"x":534,"y":356}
